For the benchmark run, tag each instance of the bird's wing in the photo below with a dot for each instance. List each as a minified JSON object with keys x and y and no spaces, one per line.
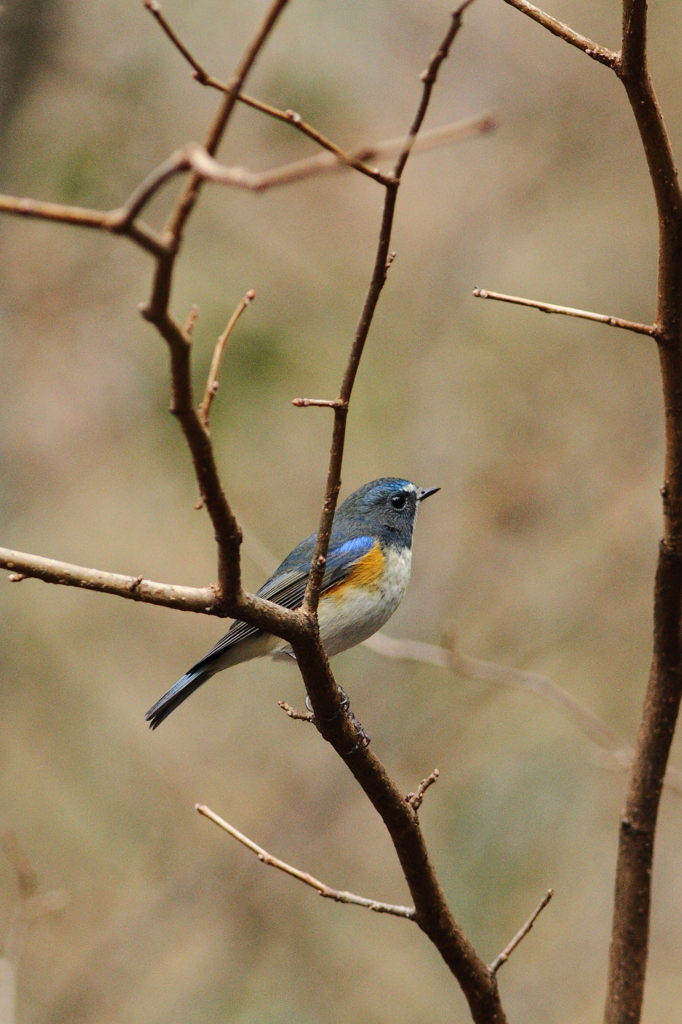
{"x":287,"y":586}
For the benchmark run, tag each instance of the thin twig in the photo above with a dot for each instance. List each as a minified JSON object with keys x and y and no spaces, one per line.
{"x":155,"y":9}
{"x":557,"y":28}
{"x":416,"y":798}
{"x":303,"y":876}
{"x":429,"y":77}
{"x":323,"y":403}
{"x":327,"y":163}
{"x":196,"y":158}
{"x":292,"y":118}
{"x":549,"y":307}
{"x":300,"y":716}
{"x":212,"y":381}
{"x":190,"y":320}
{"x":521,"y":934}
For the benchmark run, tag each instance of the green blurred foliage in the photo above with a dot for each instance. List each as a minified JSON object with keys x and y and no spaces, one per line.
{"x":544,"y":434}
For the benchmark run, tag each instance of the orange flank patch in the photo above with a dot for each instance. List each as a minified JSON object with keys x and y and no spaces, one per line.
{"x":366,"y":573}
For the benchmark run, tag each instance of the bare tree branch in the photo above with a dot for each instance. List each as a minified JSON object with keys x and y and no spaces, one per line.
{"x":619,"y":751}
{"x":632,"y":901}
{"x":549,"y":307}
{"x":289,"y":116}
{"x":122,"y":220}
{"x":326,"y":163}
{"x":292,"y":118}
{"x":133,"y":588}
{"x":330,"y":706}
{"x":521,"y":934}
{"x":322,"y":403}
{"x":212,"y":382}
{"x":113,"y":221}
{"x":303,"y":876}
{"x":381,"y":264}
{"x":204,"y":600}
{"x":557,"y":28}
{"x":333,"y":719}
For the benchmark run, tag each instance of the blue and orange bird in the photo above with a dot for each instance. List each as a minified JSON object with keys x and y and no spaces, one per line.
{"x":367,"y":572}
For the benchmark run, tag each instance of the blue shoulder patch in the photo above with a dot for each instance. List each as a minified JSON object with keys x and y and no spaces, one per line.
{"x":355,"y":548}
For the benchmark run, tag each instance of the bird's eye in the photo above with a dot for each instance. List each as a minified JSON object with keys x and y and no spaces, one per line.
{"x":398,"y":500}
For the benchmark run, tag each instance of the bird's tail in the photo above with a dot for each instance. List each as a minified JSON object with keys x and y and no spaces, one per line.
{"x":184,"y":687}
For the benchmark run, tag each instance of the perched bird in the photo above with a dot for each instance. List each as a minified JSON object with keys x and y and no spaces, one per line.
{"x":367,"y":572}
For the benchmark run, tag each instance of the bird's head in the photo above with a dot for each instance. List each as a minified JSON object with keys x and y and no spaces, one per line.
{"x":386,"y":508}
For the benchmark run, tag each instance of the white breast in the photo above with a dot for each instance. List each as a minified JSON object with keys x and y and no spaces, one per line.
{"x":347,"y":621}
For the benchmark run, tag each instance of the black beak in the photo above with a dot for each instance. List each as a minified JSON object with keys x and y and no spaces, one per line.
{"x":426,"y":492}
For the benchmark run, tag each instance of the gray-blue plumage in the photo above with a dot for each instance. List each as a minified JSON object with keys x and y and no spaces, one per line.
{"x":381,"y":513}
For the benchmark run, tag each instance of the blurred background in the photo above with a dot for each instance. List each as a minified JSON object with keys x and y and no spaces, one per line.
{"x":544,"y":434}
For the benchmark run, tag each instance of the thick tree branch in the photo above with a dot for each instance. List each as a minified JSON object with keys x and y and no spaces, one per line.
{"x":132,"y":588}
{"x":324,"y":890}
{"x":549,"y":307}
{"x":632,"y":902}
{"x":203,"y":600}
{"x":630,"y":933}
{"x":557,"y":28}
